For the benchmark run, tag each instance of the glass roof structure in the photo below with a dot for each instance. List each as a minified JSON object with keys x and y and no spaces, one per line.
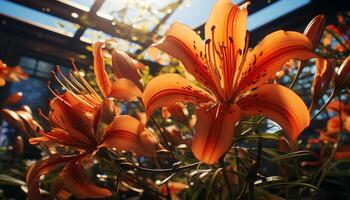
{"x":191,"y":12}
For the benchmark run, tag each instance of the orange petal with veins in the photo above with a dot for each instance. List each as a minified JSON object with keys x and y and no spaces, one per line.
{"x":281,"y":105}
{"x":167,"y":89}
{"x":73,"y":120}
{"x":181,"y":42}
{"x":125,"y":89}
{"x":99,"y":69}
{"x":214,"y":131}
{"x":228,"y":24}
{"x":269,"y":56}
{"x":77,"y":182}
{"x":43,"y":167}
{"x":127,"y":133}
{"x":60,"y":136}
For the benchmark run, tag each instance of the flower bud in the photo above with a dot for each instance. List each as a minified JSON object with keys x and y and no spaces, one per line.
{"x":314,"y":29}
{"x":343,"y":75}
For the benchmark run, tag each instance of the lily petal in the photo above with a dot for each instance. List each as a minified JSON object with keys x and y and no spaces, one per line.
{"x":126,"y":67}
{"x":128,"y":133}
{"x":42,"y":168}
{"x":181,"y":42}
{"x":214,"y":131}
{"x":227,"y":26}
{"x":270,"y":54}
{"x":125,"y":89}
{"x":59,"y":136}
{"x":99,"y":69}
{"x":77,"y":182}
{"x":73,"y":120}
{"x":281,"y":105}
{"x":167,"y":89}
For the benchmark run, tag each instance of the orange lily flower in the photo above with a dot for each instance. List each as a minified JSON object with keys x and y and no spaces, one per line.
{"x":85,"y":121}
{"x":232,"y":78}
{"x":178,"y":111}
{"x":14,"y":74}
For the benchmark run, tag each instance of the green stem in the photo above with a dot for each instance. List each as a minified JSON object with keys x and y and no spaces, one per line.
{"x":300,"y":69}
{"x":227,"y":181}
{"x":165,"y":139}
{"x":334,"y":149}
{"x":325,"y":105}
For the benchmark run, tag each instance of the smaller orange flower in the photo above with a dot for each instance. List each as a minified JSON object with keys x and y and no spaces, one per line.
{"x":13,"y":74}
{"x":178,"y":111}
{"x":85,"y":122}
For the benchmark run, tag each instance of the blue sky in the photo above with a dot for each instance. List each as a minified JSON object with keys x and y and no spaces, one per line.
{"x":193,"y":13}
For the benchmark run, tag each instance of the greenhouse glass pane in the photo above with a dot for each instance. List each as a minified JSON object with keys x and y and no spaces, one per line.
{"x":38,"y":18}
{"x":92,"y":35}
{"x":274,"y":11}
{"x":81,"y":4}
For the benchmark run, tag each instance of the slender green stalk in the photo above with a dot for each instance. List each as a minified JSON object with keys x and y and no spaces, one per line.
{"x":325,"y":105}
{"x":227,"y":181}
{"x":327,"y":164}
{"x":165,"y":139}
{"x":300,"y":69}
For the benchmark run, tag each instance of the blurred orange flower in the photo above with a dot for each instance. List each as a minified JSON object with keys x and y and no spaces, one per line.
{"x":232,"y":78}
{"x":13,"y":74}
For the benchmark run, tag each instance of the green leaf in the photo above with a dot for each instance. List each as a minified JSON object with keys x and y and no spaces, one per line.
{"x":268,"y":136}
{"x":9,"y":180}
{"x":338,"y":162}
{"x":292,"y":155}
{"x":216,"y":173}
{"x":292,"y":184}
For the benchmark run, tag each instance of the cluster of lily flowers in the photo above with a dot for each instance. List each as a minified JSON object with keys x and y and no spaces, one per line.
{"x":231,"y":82}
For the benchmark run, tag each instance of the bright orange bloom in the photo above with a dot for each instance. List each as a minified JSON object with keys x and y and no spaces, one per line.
{"x":85,"y":121}
{"x":13,"y":74}
{"x":233,"y":77}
